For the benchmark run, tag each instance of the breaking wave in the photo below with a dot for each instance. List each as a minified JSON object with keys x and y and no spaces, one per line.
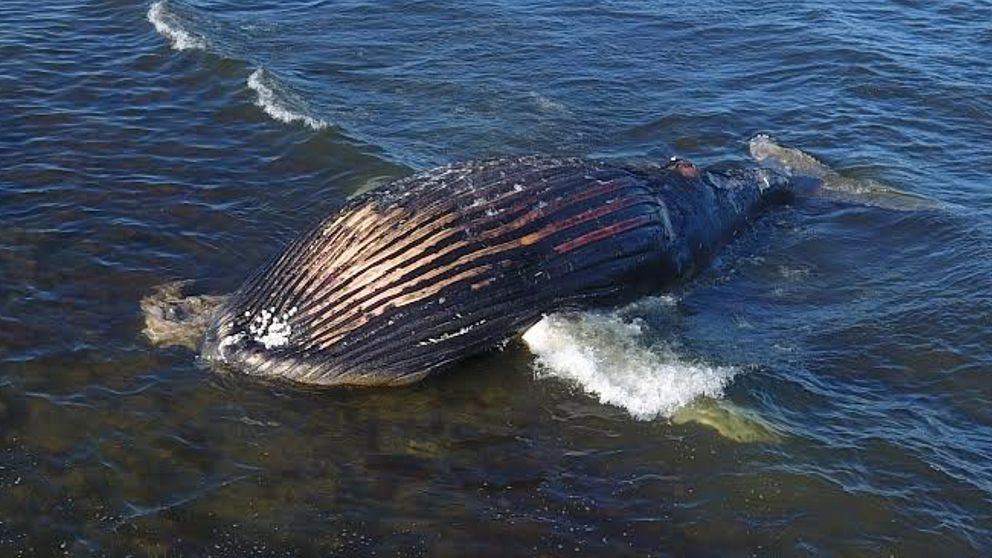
{"x":280,"y":103}
{"x":170,"y":26}
{"x":276,"y":100}
{"x":609,"y":355}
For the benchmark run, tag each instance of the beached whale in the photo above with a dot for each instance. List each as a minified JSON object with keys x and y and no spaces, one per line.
{"x":404,"y":280}
{"x":428,"y":270}
{"x":425,"y":271}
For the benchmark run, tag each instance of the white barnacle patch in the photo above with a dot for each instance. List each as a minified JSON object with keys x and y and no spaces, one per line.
{"x":451,"y":335}
{"x":226,"y":342}
{"x":271,"y":329}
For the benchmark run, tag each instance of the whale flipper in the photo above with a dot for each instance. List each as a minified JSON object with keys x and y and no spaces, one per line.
{"x":730,"y":420}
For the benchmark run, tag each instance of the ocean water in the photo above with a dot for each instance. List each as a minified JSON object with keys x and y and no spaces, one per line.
{"x":190,"y":139}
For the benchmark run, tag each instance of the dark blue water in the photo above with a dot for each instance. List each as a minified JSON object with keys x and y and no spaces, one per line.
{"x":191,"y":139}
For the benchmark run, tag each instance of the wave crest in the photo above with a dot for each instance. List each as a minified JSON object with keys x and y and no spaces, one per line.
{"x":279,"y":103}
{"x":168,"y":25}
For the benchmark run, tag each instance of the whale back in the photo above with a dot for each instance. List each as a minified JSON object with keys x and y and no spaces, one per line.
{"x":424,"y":271}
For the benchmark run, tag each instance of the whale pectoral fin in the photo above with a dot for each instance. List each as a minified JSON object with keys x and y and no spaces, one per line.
{"x":172,"y":318}
{"x":731,"y":421}
{"x":811,"y":176}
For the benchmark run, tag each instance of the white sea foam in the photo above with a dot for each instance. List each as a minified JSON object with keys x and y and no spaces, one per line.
{"x":607,"y":354}
{"x":169,"y":27}
{"x":279,"y":103}
{"x":547,"y":104}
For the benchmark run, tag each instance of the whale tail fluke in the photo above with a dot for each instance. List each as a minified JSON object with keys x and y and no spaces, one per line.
{"x":172,"y":318}
{"x":819,"y":179}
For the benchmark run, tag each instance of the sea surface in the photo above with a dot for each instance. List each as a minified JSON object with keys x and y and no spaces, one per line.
{"x":142,"y":143}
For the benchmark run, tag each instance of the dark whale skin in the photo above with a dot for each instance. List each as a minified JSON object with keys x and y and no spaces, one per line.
{"x":409,"y":278}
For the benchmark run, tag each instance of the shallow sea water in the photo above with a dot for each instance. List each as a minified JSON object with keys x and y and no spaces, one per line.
{"x":142,"y":143}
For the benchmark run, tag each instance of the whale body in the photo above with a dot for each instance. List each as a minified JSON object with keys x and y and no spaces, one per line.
{"x":404,"y":280}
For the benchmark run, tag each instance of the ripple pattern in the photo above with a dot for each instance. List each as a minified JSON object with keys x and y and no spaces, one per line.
{"x":191,"y":139}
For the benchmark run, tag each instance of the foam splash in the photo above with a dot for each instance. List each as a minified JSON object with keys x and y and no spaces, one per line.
{"x":167,"y":25}
{"x":607,"y":355}
{"x":279,"y":103}
{"x":547,"y":104}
